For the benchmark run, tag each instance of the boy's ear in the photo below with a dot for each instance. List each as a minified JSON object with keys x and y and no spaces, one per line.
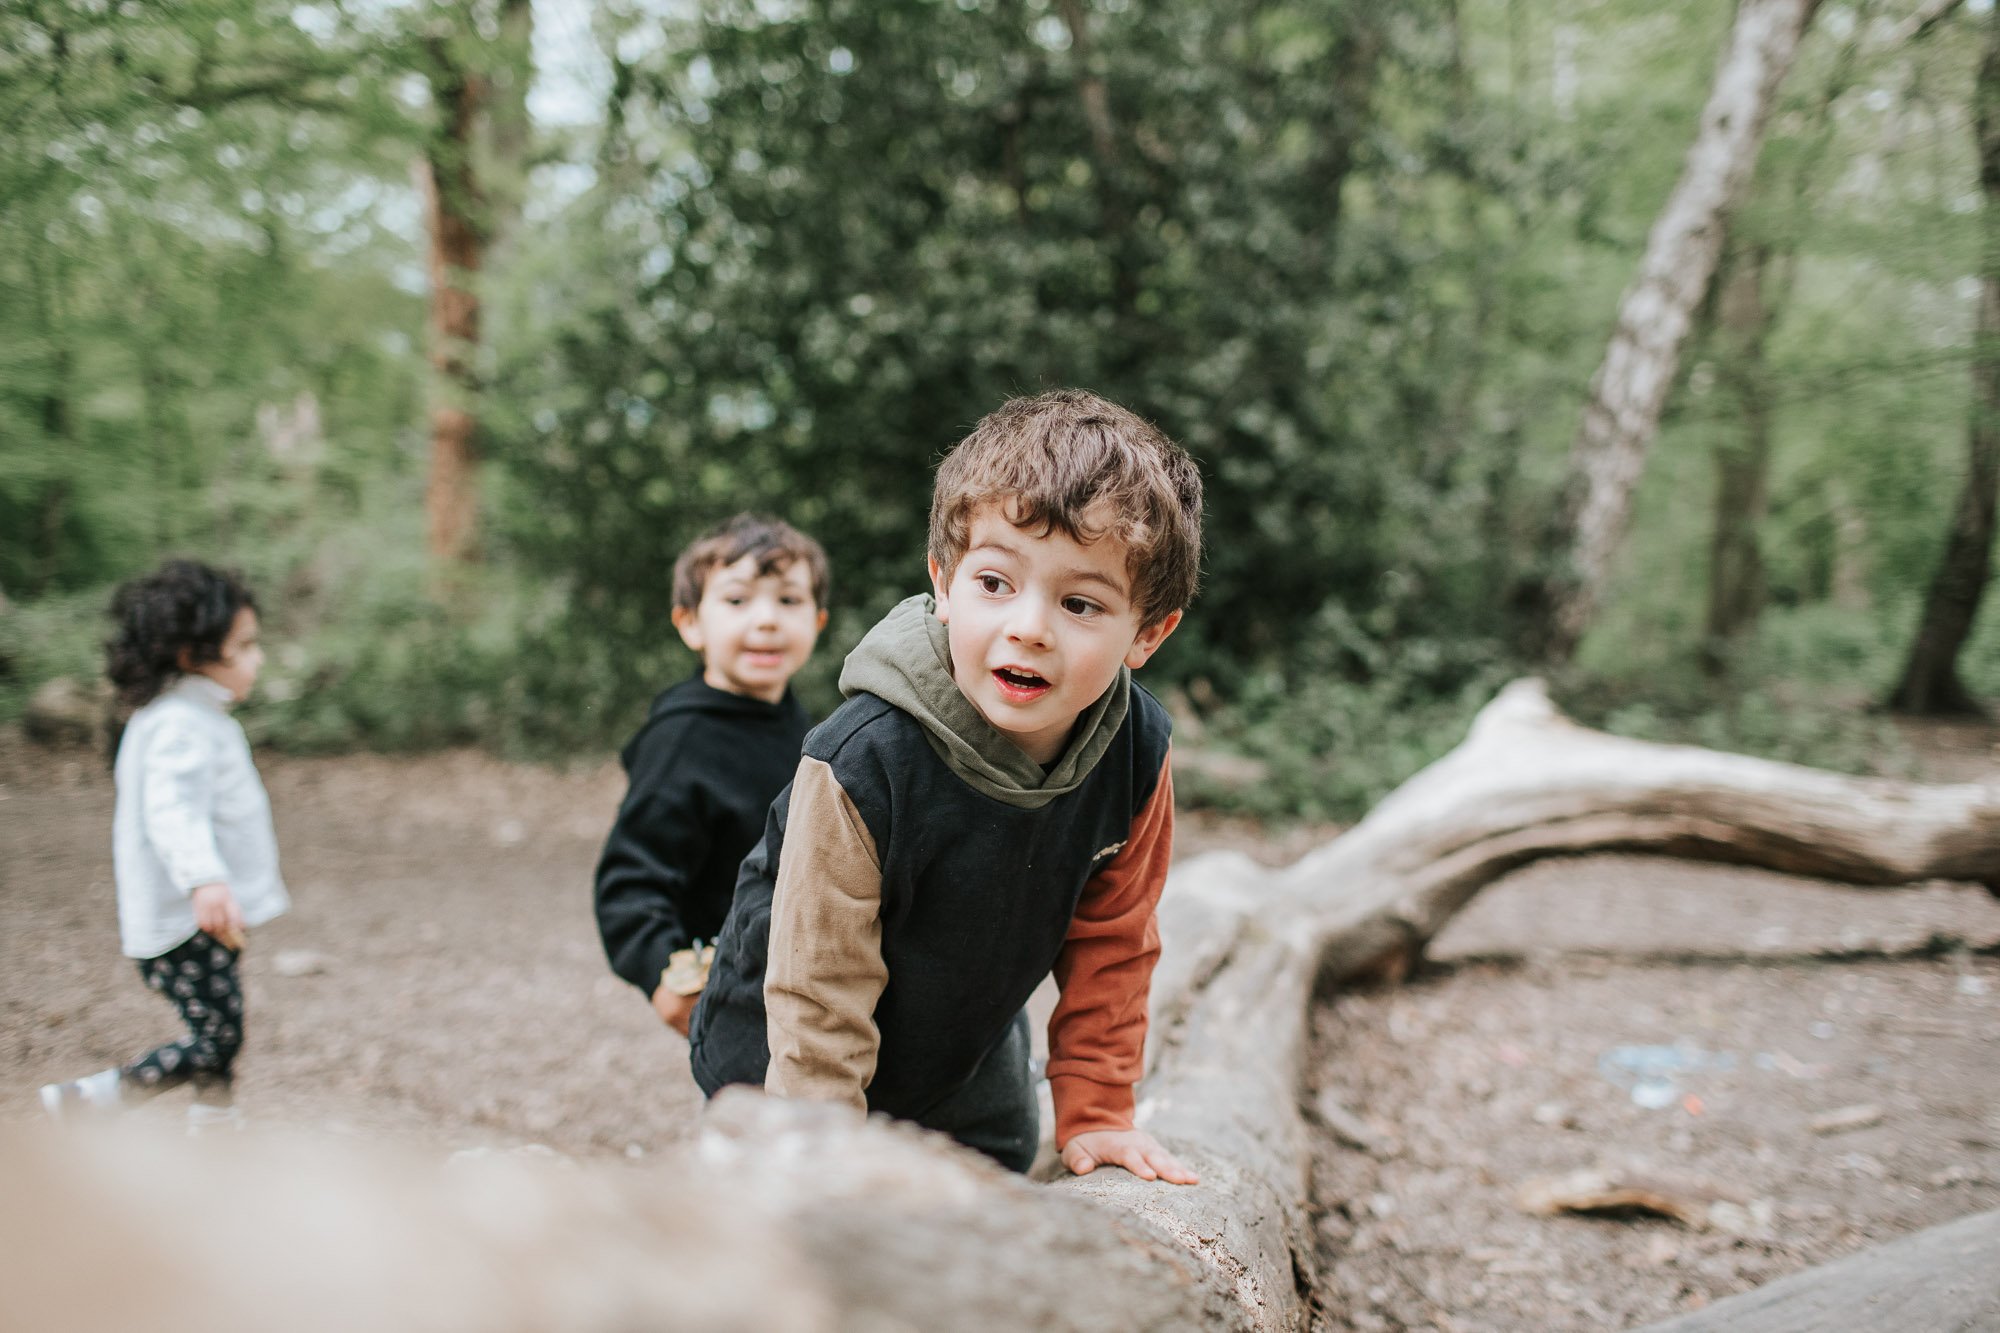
{"x":690,"y":627}
{"x":1150,"y":639}
{"x":938,"y":583}
{"x":820,"y":624}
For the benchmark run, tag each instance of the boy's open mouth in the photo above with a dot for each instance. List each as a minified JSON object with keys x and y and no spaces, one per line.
{"x":1018,"y":684}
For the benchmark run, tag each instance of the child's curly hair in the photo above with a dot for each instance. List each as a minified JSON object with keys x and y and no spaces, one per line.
{"x":183,"y":605}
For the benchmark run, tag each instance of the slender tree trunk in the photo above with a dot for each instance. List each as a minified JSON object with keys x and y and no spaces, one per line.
{"x":1656,"y":312}
{"x":503,"y":165}
{"x":167,"y":448}
{"x":58,"y":427}
{"x":454,"y":216}
{"x":1930,"y":682}
{"x":1736,"y":564}
{"x":1354,"y":68}
{"x":473,"y":179}
{"x":1091,"y":90}
{"x":1753,"y":289}
{"x":1114,"y":208}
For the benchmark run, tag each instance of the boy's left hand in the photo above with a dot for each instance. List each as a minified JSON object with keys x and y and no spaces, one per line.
{"x":676,"y":1011}
{"x":1134,"y":1149}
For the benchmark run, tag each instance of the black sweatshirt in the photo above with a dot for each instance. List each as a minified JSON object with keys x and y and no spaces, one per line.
{"x":703,"y":772}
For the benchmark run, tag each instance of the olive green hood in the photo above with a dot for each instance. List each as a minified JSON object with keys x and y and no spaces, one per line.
{"x":906,"y":661}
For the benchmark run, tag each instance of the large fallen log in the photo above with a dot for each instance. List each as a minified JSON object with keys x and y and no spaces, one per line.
{"x":874,"y":1226}
{"x":1245,"y":947}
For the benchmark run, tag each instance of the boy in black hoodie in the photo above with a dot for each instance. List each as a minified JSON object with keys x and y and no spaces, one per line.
{"x":715,"y":750}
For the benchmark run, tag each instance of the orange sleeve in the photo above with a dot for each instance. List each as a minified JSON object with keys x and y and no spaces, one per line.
{"x":1097,"y":1035}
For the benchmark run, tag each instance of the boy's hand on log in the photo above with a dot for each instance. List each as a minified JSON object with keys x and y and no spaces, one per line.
{"x":1134,"y":1149}
{"x":676,"y":1011}
{"x":217,"y":912}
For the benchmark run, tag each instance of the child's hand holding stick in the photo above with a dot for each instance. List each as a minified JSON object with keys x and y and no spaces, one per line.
{"x":681,"y":983}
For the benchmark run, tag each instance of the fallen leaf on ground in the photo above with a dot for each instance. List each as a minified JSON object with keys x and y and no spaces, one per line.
{"x":1845,"y":1118}
{"x":1612,"y":1191}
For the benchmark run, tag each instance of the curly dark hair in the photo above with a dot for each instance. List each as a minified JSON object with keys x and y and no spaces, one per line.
{"x":183,"y":605}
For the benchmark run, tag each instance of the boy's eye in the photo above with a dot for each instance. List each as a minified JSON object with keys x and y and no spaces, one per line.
{"x":991,"y":583}
{"x":1080,"y":606}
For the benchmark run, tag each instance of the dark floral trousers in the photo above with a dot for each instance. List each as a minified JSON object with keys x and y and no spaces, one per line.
{"x":199,"y":977}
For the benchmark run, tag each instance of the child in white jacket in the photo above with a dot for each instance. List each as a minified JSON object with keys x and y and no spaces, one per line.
{"x":193,"y":850}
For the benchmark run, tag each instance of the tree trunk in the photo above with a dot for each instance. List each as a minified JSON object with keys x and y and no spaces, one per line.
{"x":58,"y":421}
{"x":1930,"y":682}
{"x":167,"y":451}
{"x":1754,"y":286}
{"x":1354,"y":68}
{"x":456,"y":226}
{"x":1742,"y":466}
{"x":508,"y":130}
{"x":1114,"y":209}
{"x":1654,"y":315}
{"x":800,"y":1216}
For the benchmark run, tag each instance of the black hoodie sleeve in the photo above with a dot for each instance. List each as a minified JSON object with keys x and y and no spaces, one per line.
{"x":649,"y":861}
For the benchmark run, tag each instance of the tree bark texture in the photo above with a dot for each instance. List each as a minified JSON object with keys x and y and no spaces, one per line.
{"x":453,"y":215}
{"x":1930,"y":682}
{"x":1655,"y":314}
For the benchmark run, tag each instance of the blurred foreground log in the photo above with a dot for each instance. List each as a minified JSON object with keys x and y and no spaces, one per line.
{"x":790,"y":1216}
{"x":785,"y":1218}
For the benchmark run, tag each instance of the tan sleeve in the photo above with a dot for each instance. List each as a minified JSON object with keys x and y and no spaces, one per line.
{"x":1097,"y":1035}
{"x":825,"y":972}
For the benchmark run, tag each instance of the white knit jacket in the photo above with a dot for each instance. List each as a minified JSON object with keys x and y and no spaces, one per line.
{"x":191,"y":810}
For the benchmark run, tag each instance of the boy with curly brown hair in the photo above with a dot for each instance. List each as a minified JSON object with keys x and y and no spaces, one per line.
{"x":992,"y":803}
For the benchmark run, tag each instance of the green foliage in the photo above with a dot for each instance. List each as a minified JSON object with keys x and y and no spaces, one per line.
{"x":872,"y":223}
{"x":59,"y":635}
{"x":177,"y":252}
{"x":1360,"y":259}
{"x":1824,"y":723}
{"x":1332,"y":747}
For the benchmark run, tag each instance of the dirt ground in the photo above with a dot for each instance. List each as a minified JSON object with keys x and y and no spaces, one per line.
{"x":440,"y":980}
{"x":1811,"y":1066}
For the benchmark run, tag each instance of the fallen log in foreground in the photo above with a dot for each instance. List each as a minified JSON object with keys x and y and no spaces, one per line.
{"x":787,"y":1216}
{"x":783,"y":1219}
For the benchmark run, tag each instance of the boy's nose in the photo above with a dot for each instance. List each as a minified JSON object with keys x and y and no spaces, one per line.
{"x":1029,"y":622}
